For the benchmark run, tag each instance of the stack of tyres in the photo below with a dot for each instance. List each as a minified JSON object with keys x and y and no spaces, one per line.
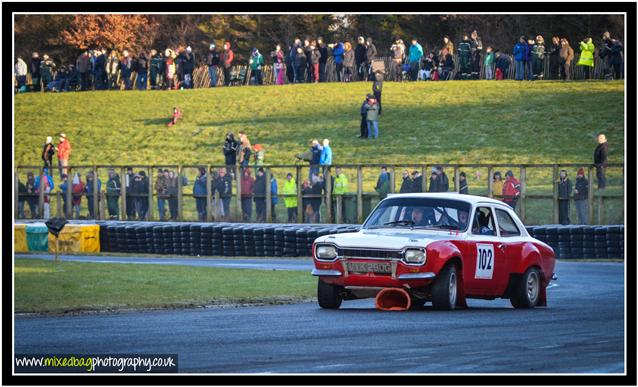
{"x":238,"y":241}
{"x":258,"y":240}
{"x":167,"y":235}
{"x":552,"y":239}
{"x":228,"y":245}
{"x":176,"y":238}
{"x":615,"y":242}
{"x":302,"y":242}
{"x":185,"y":239}
{"x":217,"y":241}
{"x":153,"y":240}
{"x":206,"y":240}
{"x":589,"y":242}
{"x":564,"y":242}
{"x":600,"y":241}
{"x":195,"y":238}
{"x":279,"y":241}
{"x":269,"y":241}
{"x":248,"y":240}
{"x":104,"y":236}
{"x":158,"y":240}
{"x":311,"y":236}
{"x":576,"y":241}
{"x":290,"y":242}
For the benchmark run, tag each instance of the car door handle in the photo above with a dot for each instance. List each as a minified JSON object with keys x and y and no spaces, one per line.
{"x":501,"y":246}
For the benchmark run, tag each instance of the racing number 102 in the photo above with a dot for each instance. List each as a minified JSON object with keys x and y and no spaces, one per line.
{"x":484,"y":261}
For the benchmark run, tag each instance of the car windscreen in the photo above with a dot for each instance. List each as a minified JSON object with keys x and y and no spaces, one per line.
{"x":420,"y":213}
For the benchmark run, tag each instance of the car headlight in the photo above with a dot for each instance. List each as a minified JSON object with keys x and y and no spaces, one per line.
{"x":326,"y":252}
{"x":414,"y":256}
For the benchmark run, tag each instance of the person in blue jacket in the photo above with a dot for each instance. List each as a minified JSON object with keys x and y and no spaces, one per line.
{"x":326,"y":155}
{"x":337,"y":53}
{"x":521,"y":52}
{"x":414,"y":58}
{"x":273,"y":197}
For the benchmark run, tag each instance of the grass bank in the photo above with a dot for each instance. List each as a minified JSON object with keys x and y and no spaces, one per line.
{"x":47,"y":287}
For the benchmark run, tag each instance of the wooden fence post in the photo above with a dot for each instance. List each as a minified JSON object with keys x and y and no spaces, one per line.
{"x":555,"y":187}
{"x":359,"y":195}
{"x":424,"y":181}
{"x":123,"y":192}
{"x":601,"y":208}
{"x":457,"y":182}
{"x":209,"y":196}
{"x":58,"y":203}
{"x":490,"y":181}
{"x":523,"y":175}
{"x":69,"y":191}
{"x":339,"y":209}
{"x":41,"y":194}
{"x":300,"y":209}
{"x":100,"y":206}
{"x":180,"y":195}
{"x":590,"y":193}
{"x":15,"y":194}
{"x":238,"y":197}
{"x":268,"y":197}
{"x":328,"y":191}
{"x":392,"y":170}
{"x":96,"y":195}
{"x":149,"y":213}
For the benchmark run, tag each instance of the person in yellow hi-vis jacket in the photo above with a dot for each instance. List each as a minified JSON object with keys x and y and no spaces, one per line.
{"x":290,"y":188}
{"x":586,"y":59}
{"x":340,"y":187}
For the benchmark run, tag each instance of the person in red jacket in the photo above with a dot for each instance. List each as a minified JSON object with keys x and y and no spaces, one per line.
{"x":511,"y":190}
{"x":247,"y":190}
{"x":226,"y":58}
{"x":177,"y":114}
{"x":64,"y":151}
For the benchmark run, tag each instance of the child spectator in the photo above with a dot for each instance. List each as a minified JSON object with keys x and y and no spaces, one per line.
{"x":177,"y":114}
{"x":259,"y":155}
{"x":503,"y":63}
{"x":497,"y":185}
{"x":463,"y":188}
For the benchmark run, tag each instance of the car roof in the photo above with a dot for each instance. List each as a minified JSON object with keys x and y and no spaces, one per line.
{"x":472,"y":199}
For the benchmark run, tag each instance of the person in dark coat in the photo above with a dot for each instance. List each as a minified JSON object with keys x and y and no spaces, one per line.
{"x":502,"y":65}
{"x":464,"y":53}
{"x":308,"y":49}
{"x":200,"y":194}
{"x":101,"y":81}
{"x":290,"y":68}
{"x":230,"y":152}
{"x":564,"y":193}
{"x":406,"y":184}
{"x":364,"y":123}
{"x":260,"y":196}
{"x":417,"y":181}
{"x":553,"y":52}
{"x":463,"y":188}
{"x":616,"y":59}
{"x":113,"y":187}
{"x":142,"y":71}
{"x":47,"y":152}
{"x":35,"y":71}
{"x":600,"y":160}
{"x":247,"y":191}
{"x":323,"y":50}
{"x":188,"y":66}
{"x":438,"y":181}
{"x":581,"y":194}
{"x":300,"y":65}
{"x":155,"y":69}
{"x":316,"y":189}
{"x":377,"y":88}
{"x":224,"y":185}
{"x":360,"y":58}
{"x":476,"y":47}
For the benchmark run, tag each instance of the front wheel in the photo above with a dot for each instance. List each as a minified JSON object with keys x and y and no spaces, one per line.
{"x":445,"y":288}
{"x":527,"y":291}
{"x":328,"y":295}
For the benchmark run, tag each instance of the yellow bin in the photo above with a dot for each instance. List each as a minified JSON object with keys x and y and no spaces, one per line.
{"x":20,"y":238}
{"x":77,"y":238}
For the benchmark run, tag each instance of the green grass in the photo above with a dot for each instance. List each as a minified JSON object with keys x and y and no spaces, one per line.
{"x":425,"y":122}
{"x":48,"y":287}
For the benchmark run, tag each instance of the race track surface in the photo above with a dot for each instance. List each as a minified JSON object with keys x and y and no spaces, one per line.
{"x":581,"y":331}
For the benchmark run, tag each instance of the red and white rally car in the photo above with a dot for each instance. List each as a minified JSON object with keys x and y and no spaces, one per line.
{"x":438,"y":247}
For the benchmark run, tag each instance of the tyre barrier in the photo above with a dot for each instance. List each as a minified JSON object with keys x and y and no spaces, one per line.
{"x":286,"y":240}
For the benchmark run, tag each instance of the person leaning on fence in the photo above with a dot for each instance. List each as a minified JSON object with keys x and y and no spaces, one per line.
{"x":564,"y":194}
{"x":360,"y":58}
{"x":581,"y":195}
{"x":224,"y":186}
{"x":113,"y":187}
{"x":600,"y":159}
{"x":290,"y":198}
{"x":586,"y":59}
{"x":247,"y":190}
{"x":538,"y":59}
{"x":511,"y":190}
{"x":566,"y":57}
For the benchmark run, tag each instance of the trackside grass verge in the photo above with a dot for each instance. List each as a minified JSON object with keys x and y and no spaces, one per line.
{"x":48,"y":287}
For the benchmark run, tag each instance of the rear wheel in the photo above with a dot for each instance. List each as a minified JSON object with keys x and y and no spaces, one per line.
{"x":328,"y":295}
{"x":527,"y":291}
{"x":444,"y":290}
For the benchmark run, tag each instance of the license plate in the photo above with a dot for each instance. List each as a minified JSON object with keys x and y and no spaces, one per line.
{"x":369,"y":267}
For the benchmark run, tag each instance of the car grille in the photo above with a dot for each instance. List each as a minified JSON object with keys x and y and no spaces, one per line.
{"x":363,"y":253}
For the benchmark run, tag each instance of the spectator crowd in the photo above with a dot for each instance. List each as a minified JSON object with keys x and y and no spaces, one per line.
{"x":307,"y":62}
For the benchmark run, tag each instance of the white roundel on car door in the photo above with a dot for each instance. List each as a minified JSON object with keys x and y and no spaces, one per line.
{"x":484,"y":261}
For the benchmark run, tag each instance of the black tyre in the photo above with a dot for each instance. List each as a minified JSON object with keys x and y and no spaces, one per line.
{"x":444,"y":290}
{"x":528,"y":290}
{"x":328,"y":295}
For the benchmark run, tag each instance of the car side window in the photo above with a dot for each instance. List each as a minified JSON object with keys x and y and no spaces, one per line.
{"x":506,"y":224}
{"x":483,"y":223}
